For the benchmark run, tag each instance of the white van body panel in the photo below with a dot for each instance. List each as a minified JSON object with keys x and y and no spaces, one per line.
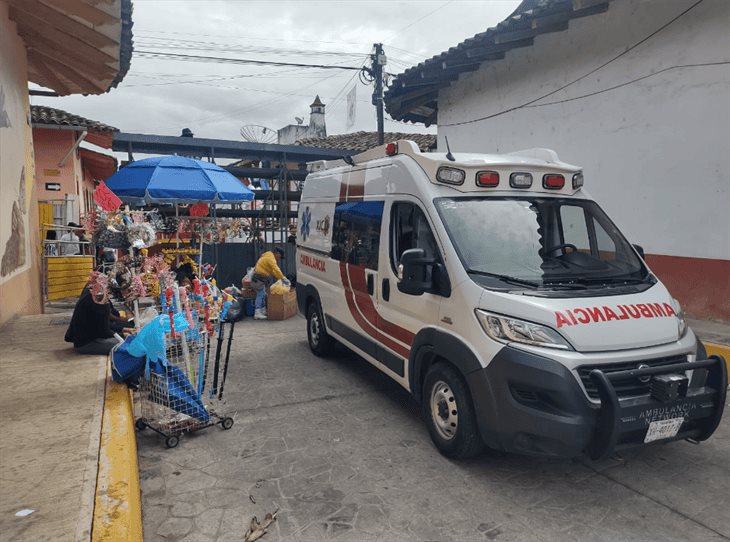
{"x":590,"y":325}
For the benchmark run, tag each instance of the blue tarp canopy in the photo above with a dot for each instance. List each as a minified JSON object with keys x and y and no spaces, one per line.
{"x":176,"y":179}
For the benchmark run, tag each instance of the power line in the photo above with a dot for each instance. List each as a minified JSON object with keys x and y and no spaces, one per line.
{"x":248,"y":109}
{"x":178,"y":56}
{"x":249,"y":38}
{"x":226,"y":47}
{"x":594,"y":70}
{"x":631,"y":82}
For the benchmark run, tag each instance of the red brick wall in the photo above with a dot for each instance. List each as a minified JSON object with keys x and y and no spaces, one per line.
{"x":701,"y":285}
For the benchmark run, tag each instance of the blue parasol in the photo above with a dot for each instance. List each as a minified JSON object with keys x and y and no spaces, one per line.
{"x":176,"y":179}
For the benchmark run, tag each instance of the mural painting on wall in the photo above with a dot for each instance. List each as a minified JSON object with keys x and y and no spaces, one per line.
{"x":14,"y":228}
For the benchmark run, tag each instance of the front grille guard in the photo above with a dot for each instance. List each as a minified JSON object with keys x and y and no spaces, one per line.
{"x":609,"y":414}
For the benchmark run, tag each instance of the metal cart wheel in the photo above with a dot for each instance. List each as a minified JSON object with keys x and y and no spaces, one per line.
{"x":227,"y":423}
{"x":172,"y":441}
{"x":140,"y":424}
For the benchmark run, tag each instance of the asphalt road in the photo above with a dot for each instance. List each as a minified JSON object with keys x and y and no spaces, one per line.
{"x":342,"y":453}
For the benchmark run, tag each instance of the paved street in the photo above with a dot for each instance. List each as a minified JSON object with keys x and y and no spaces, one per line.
{"x":341,"y":452}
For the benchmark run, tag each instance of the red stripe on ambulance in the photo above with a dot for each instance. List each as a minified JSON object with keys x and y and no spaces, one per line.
{"x":368,"y":315}
{"x":593,"y":315}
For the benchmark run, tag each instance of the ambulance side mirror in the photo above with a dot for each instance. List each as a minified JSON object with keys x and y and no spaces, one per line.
{"x":640,"y":250}
{"x":414,"y":265}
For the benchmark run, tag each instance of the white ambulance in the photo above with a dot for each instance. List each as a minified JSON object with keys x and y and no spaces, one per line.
{"x":504,"y":299}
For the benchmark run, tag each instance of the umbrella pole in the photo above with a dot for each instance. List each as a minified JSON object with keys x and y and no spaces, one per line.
{"x":177,"y":236}
{"x":200,"y":250}
{"x":135,"y":302}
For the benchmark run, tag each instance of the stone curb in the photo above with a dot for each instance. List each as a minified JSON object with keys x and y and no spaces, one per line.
{"x":118,"y":506}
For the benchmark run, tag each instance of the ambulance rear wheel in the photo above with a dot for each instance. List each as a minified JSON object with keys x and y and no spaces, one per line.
{"x":449,"y":413}
{"x":320,"y":343}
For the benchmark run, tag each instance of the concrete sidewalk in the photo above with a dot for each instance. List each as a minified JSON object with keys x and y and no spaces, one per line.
{"x":711,"y":331}
{"x":52,"y":401}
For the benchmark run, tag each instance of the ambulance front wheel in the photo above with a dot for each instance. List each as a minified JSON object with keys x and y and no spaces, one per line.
{"x":320,"y":343}
{"x":449,"y":413}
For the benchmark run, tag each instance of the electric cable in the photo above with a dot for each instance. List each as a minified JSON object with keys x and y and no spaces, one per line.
{"x":594,"y":70}
{"x":224,"y":60}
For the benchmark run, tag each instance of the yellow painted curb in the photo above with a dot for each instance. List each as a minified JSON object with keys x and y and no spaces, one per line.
{"x":118,"y":506}
{"x":722,"y":349}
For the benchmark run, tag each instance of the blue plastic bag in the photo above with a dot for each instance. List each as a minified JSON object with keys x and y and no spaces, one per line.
{"x":126,"y":368}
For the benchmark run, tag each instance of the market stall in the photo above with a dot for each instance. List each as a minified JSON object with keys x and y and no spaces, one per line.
{"x":178,"y":358}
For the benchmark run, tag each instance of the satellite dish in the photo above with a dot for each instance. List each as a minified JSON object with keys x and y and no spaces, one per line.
{"x":255,"y":133}
{"x":299,"y":120}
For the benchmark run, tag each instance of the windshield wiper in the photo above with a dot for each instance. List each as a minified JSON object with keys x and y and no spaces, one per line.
{"x":506,"y":278}
{"x":604,"y":281}
{"x":565,"y":285}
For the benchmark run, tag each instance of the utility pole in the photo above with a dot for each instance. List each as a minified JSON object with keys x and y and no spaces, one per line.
{"x":378,"y":61}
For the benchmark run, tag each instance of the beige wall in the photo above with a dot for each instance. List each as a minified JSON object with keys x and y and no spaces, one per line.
{"x":50,"y":146}
{"x":19,"y":250}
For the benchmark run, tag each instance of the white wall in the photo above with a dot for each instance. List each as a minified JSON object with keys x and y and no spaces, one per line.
{"x":656,"y":153}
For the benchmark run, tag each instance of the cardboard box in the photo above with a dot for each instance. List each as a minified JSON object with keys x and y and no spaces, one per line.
{"x":248,"y":293}
{"x":282,"y":306}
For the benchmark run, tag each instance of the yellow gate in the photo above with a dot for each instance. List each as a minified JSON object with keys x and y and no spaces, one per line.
{"x":66,"y":276}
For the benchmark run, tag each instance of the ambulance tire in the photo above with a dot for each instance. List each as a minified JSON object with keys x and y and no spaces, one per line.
{"x":447,"y":406}
{"x":320,"y":343}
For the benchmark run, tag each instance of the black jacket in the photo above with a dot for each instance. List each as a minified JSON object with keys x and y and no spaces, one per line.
{"x":89,"y":321}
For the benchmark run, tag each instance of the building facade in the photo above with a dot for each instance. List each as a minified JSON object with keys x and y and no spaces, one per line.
{"x":635,"y":91}
{"x":288,"y":135}
{"x":67,"y":171}
{"x":69,"y":48}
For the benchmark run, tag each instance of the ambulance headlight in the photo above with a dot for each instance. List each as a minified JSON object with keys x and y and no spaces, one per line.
{"x":681,"y":322}
{"x":505,"y":329}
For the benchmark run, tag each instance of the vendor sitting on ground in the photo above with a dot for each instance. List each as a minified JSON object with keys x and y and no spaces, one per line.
{"x":93,"y":323}
{"x":264,"y":274}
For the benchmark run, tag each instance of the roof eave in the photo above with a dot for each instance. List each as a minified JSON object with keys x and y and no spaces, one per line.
{"x":413,"y":95}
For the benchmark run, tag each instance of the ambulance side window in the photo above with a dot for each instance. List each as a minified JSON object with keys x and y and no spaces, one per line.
{"x":606,"y":246}
{"x":574,"y":227}
{"x":356,"y":232}
{"x":410,"y":229}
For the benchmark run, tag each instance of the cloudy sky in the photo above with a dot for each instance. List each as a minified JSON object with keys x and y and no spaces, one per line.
{"x":216,"y":98}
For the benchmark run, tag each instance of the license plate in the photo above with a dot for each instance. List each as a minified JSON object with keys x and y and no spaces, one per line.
{"x":662,"y":429}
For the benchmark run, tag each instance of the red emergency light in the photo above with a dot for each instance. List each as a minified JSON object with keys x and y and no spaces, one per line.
{"x":552,"y":181}
{"x":391,"y":149}
{"x":487,"y":178}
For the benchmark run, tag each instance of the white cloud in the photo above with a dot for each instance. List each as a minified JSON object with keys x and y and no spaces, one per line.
{"x":160,"y":96}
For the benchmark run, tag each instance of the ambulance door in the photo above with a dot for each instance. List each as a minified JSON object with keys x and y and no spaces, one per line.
{"x":402,"y":316}
{"x":356,"y":247}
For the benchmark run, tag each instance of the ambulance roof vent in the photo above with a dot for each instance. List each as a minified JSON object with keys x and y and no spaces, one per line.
{"x":548,"y":155}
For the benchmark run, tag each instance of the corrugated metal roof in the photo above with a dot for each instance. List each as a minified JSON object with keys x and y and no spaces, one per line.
{"x":413,"y":95}
{"x":363,"y":141}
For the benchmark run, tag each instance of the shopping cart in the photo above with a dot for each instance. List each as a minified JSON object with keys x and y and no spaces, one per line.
{"x":185,"y":393}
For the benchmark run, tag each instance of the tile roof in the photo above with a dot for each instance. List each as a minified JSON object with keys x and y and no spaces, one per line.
{"x":362,"y":141}
{"x":413,"y":95}
{"x":48,"y":115}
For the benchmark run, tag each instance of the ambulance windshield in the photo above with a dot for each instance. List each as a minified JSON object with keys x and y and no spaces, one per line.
{"x":540,"y":242}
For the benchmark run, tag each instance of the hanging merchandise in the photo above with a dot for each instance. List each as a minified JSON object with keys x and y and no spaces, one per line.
{"x":171,"y":224}
{"x":156,"y":220}
{"x":141,"y":235}
{"x":90,"y":221}
{"x":137,"y":289}
{"x":99,"y":287}
{"x":111,"y":238}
